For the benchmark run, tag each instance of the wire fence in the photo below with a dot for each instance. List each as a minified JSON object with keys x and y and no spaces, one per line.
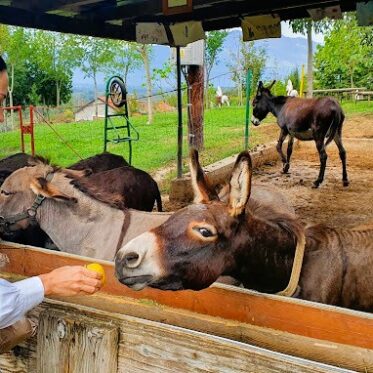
{"x":72,"y":132}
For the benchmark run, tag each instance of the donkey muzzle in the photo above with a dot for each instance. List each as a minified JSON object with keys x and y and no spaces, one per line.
{"x":255,"y":121}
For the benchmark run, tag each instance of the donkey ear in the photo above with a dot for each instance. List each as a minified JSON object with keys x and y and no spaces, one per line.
{"x":271,"y":85}
{"x":41,"y":186}
{"x":203,"y":192}
{"x":260,"y":87}
{"x":240,"y":184}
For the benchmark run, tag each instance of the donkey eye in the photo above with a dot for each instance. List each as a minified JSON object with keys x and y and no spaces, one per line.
{"x":6,"y":193}
{"x":205,"y":232}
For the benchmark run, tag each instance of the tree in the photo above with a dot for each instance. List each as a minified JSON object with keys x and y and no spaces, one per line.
{"x":305,"y":26}
{"x":165,"y":76}
{"x":14,"y":42}
{"x":247,"y":57}
{"x":56,"y":55}
{"x":213,"y":46}
{"x":345,"y":59}
{"x":127,"y":58}
{"x":97,"y":56}
{"x":145,"y":52}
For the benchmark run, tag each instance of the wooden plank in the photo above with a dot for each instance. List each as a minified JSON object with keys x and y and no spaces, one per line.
{"x":146,"y":346}
{"x":349,"y":357}
{"x":155,"y":348}
{"x":52,"y":346}
{"x":298,"y":317}
{"x":70,"y":343}
{"x":95,"y":347}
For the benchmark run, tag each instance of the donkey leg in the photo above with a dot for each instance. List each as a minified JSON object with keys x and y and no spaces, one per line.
{"x":342,"y":155}
{"x":323,"y":157}
{"x":280,"y":141}
{"x":289,"y":152}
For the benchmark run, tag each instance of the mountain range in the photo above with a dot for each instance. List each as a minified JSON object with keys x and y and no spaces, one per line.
{"x":283,"y":55}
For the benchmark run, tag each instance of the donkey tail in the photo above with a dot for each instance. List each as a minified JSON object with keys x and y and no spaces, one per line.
{"x":159,"y":200}
{"x":334,"y":126}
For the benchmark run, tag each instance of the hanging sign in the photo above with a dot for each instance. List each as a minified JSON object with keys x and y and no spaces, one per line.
{"x":187,"y":32}
{"x":151,"y":33}
{"x":332,"y":12}
{"x":261,"y":27}
{"x":177,"y":6}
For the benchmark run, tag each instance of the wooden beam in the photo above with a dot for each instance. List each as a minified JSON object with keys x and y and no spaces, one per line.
{"x":234,"y":10}
{"x":298,"y":317}
{"x":130,"y":11}
{"x":24,"y":18}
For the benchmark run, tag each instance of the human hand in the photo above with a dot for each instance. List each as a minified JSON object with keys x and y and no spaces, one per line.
{"x":71,"y":280}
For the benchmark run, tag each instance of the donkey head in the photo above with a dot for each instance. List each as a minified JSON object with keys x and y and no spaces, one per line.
{"x":19,"y":190}
{"x":261,"y":103}
{"x":196,"y":244}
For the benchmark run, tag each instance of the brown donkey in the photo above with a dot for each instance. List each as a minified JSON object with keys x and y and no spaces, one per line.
{"x":211,"y":238}
{"x":318,"y":119}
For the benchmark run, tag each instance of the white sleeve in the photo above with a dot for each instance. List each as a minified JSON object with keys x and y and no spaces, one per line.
{"x":18,"y":298}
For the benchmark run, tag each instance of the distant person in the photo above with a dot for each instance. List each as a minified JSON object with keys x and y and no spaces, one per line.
{"x":290,"y":91}
{"x":4,"y":82}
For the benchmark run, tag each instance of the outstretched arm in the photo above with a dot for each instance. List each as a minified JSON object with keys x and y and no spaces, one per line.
{"x":18,"y":298}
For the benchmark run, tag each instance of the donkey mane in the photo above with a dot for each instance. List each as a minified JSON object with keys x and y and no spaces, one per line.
{"x":40,"y":160}
{"x":270,"y":215}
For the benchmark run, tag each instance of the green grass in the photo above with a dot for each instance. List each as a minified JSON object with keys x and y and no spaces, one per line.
{"x":157,"y":148}
{"x":358,"y":107}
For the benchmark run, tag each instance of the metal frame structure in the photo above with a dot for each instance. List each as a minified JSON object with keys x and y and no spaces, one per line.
{"x":117,"y":93}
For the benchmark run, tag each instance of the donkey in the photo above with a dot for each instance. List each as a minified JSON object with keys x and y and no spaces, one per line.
{"x":211,"y":238}
{"x":122,"y":187}
{"x":33,"y":235}
{"x":305,"y":119}
{"x":100,"y":162}
{"x":77,"y":222}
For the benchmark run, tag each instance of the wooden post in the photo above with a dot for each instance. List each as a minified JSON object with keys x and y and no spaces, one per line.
{"x":74,"y":345}
{"x":179,"y":117}
{"x":195,"y":106}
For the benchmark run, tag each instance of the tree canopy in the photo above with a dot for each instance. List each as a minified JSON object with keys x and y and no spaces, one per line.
{"x":345,"y":60}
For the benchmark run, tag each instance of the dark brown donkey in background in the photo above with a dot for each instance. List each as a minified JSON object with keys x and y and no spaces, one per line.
{"x":305,"y":119}
{"x":211,"y":238}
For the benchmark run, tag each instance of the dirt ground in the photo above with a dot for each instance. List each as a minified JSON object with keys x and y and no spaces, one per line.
{"x":331,"y":204}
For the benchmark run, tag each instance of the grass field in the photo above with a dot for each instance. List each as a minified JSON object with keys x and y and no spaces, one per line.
{"x":224,"y":130}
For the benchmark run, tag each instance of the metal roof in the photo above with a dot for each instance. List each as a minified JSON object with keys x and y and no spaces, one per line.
{"x":117,"y":18}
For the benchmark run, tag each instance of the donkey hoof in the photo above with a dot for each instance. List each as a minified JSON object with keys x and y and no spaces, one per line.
{"x":346,"y":183}
{"x":316,"y":184}
{"x":285,"y":169}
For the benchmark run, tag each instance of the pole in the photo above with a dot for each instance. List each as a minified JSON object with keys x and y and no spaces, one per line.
{"x":195,"y":80}
{"x":32,"y":130}
{"x":301,"y":82}
{"x":248,"y":92}
{"x":180,"y":117}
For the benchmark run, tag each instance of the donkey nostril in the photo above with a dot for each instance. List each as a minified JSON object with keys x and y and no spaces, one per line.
{"x":131,"y":260}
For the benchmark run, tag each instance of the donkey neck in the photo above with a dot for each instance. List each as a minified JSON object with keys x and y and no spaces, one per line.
{"x":90,"y":227}
{"x":265,"y":252}
{"x":82,"y":229}
{"x":276,"y":104}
